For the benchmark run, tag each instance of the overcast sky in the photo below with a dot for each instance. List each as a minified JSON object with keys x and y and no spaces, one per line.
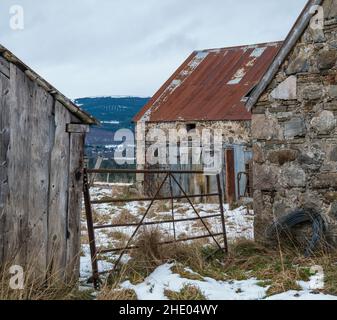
{"x":130,"y":47}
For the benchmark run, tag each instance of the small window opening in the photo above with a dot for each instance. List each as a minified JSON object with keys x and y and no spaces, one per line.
{"x":191,"y":126}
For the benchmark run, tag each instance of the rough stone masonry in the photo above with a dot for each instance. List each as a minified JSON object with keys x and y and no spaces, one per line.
{"x":294,"y":132}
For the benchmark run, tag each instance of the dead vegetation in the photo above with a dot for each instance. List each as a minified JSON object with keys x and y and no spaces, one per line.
{"x":124,"y":217}
{"x":36,"y":289}
{"x":187,"y":293}
{"x":277,"y":271}
{"x":117,"y":295}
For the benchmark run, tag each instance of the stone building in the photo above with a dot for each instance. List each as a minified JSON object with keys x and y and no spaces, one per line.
{"x":294,"y":121}
{"x":208,"y":91}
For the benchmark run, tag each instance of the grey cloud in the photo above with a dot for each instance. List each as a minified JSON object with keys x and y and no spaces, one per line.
{"x":102,"y":47}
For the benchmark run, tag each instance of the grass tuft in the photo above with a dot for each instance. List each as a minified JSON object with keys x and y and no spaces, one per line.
{"x":187,"y":293}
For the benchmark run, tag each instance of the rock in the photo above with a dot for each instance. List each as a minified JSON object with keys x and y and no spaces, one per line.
{"x":312,"y":92}
{"x":281,"y":207}
{"x":333,"y":210}
{"x":282,"y":156}
{"x":293,"y":176}
{"x":326,"y":59}
{"x":266,"y":128}
{"x":324,"y":123}
{"x":331,"y":106}
{"x":314,"y":35}
{"x":286,"y":90}
{"x":275,"y":108}
{"x":332,"y":91}
{"x":333,"y":154}
{"x":284,"y":116}
{"x":331,"y":196}
{"x":265,"y":177}
{"x":309,"y":162}
{"x":325,"y":180}
{"x":298,"y":65}
{"x":258,"y":155}
{"x":263,"y":206}
{"x":294,"y":128}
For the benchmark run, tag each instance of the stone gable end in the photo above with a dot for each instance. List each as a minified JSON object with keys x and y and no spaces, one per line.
{"x":294,"y":130}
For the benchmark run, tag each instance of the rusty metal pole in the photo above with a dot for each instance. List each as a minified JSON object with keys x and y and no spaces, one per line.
{"x":172,"y":205}
{"x":91,"y":230}
{"x":221,"y":199}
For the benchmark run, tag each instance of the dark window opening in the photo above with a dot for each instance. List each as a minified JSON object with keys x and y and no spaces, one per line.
{"x":191,"y":126}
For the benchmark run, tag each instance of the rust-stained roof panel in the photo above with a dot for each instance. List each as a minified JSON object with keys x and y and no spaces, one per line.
{"x":211,"y":85}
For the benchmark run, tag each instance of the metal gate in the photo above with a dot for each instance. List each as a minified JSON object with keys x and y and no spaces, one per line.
{"x":169,"y":176}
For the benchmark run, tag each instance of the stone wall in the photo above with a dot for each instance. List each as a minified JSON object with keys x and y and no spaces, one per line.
{"x":294,"y":132}
{"x":235,"y":133}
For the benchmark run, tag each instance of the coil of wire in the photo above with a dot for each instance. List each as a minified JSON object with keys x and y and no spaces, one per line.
{"x":297,"y":218}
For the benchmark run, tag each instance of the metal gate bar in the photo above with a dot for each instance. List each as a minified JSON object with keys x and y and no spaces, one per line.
{"x":108,"y":226}
{"x":169,"y":175}
{"x":102,"y":251}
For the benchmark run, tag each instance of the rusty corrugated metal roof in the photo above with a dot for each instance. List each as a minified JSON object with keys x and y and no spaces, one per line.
{"x":211,"y":85}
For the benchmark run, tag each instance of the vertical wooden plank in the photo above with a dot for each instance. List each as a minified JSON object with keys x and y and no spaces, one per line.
{"x":58,"y":194}
{"x":4,"y":145}
{"x":4,"y":67}
{"x":40,"y":148}
{"x":16,"y":225}
{"x":75,"y":205}
{"x":230,"y":177}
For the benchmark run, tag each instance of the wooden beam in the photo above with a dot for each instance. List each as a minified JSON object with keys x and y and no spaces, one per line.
{"x":77,"y":128}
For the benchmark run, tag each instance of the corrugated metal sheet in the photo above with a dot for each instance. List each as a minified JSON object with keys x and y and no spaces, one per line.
{"x":211,"y":85}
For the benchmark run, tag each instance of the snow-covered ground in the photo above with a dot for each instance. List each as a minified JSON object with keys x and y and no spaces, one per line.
{"x":163,"y":278}
{"x":239,"y":225}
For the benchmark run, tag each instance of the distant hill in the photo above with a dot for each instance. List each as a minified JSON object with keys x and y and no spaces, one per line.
{"x":114,"y":113}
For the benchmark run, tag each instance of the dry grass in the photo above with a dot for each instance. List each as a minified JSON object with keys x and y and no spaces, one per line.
{"x":279,"y":271}
{"x":184,"y":273}
{"x":39,"y":282}
{"x":125,"y":217}
{"x":182,"y":210}
{"x":201,"y":225}
{"x":117,"y":295}
{"x":100,"y":218}
{"x":118,"y":236}
{"x":164,"y":217}
{"x":36,"y":289}
{"x":187,"y":293}
{"x":149,"y":254}
{"x":158,"y":208}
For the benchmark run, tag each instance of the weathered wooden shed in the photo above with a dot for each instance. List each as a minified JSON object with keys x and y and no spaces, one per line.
{"x":41,"y":159}
{"x":208,"y":91}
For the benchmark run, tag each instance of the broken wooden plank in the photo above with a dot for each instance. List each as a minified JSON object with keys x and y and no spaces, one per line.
{"x":77,"y":128}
